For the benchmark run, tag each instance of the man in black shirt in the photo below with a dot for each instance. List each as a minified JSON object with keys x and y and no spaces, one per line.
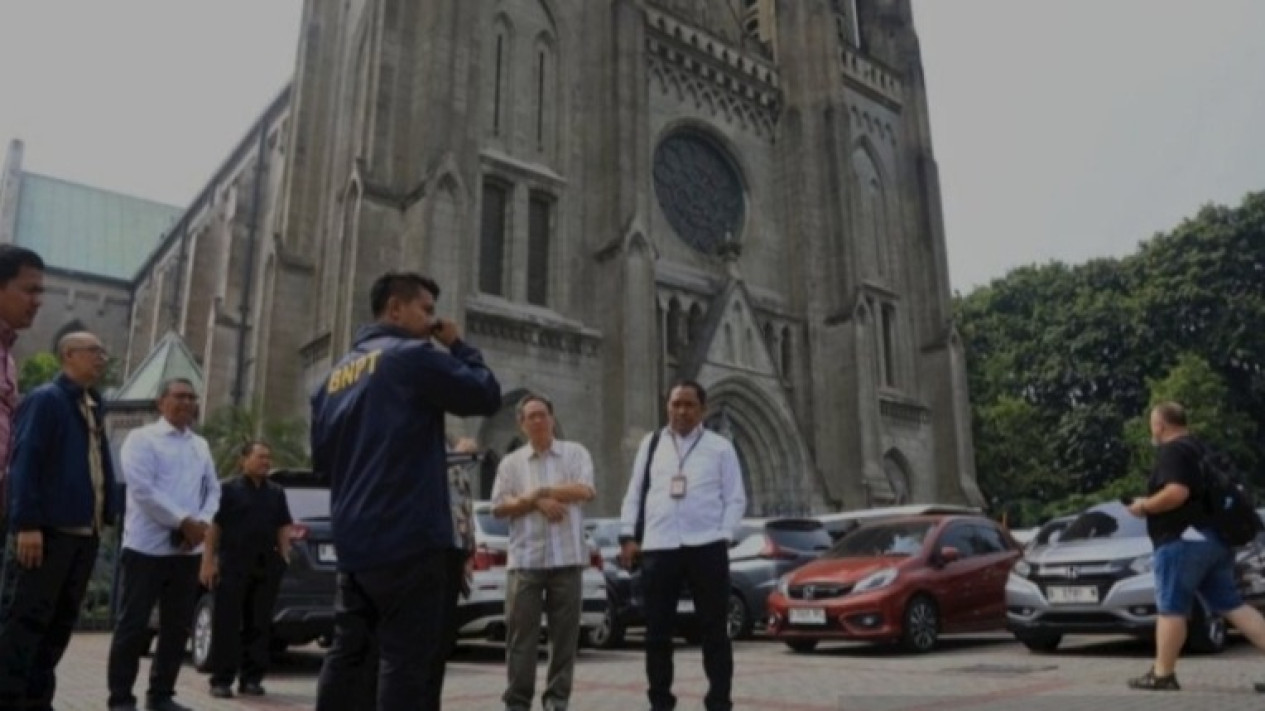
{"x":247,"y":550}
{"x":1189,"y":558}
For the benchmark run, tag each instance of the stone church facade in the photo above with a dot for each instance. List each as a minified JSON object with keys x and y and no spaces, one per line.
{"x":613,"y":194}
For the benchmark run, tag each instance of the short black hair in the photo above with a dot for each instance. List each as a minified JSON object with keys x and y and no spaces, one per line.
{"x":401,"y":285}
{"x":13,"y":258}
{"x":248,"y":447}
{"x":694,"y":384}
{"x":166,"y":386}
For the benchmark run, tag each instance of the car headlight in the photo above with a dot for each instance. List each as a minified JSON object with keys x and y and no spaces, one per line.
{"x":874,"y":581}
{"x":1142,"y":564}
{"x":1022,"y":568}
{"x":784,"y":585}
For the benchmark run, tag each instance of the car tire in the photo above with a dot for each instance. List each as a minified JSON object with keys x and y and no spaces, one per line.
{"x":1207,"y":633}
{"x":920,"y":625}
{"x":738,"y":622}
{"x":1040,"y":642}
{"x":607,"y":635}
{"x":802,"y":646}
{"x":200,"y":638}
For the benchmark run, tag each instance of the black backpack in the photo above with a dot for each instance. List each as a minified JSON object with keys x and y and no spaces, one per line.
{"x":1227,"y":499}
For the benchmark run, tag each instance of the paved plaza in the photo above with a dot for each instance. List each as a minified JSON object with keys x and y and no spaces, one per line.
{"x":984,"y":673}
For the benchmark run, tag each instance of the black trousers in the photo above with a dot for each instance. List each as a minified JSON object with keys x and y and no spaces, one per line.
{"x":171,"y":582}
{"x":241,"y":617}
{"x":42,"y":605}
{"x":396,"y":611}
{"x":455,"y":562}
{"x":706,"y":570}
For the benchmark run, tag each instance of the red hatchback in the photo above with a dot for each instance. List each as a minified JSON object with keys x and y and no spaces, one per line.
{"x":905,"y":580}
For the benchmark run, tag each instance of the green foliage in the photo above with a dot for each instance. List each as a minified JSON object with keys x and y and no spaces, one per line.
{"x":228,"y":428}
{"x":1064,"y":361}
{"x":37,"y":369}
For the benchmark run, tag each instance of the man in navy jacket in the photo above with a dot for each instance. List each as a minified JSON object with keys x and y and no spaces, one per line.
{"x":378,"y":435}
{"x":61,"y":495}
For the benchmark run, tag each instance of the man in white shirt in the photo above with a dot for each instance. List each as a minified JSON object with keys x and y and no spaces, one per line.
{"x":680,"y":521}
{"x":540,"y":487}
{"x":172,"y":495}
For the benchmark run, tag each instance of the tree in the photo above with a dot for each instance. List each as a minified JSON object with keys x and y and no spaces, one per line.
{"x":36,"y":370}
{"x":228,"y":428}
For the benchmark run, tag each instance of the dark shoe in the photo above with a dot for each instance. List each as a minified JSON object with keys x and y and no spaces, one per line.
{"x":1260,"y":688}
{"x":122,"y":707}
{"x":250,"y":688}
{"x":1150,"y":682}
{"x":221,"y":691}
{"x":166,"y":704}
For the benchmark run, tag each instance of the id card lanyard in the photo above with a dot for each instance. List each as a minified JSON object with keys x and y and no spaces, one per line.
{"x":678,"y":485}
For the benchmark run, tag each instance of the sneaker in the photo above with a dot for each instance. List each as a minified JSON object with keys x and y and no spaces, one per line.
{"x":1150,"y":682}
{"x":221,"y":691}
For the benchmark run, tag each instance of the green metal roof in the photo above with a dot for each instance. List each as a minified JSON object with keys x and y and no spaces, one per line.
{"x":87,"y":229}
{"x":171,"y":358}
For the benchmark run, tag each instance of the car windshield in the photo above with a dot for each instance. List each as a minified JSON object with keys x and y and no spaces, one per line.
{"x":887,"y":539}
{"x":1105,"y":522}
{"x":605,"y":533}
{"x":491,"y":525}
{"x":307,"y":504}
{"x":1050,"y":533}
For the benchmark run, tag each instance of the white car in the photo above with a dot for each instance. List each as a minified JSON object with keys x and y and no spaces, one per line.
{"x":482,"y":615}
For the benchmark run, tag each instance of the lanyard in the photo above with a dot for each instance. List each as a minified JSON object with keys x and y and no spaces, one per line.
{"x":680,"y":460}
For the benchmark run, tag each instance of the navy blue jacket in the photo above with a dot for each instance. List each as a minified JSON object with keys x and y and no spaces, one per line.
{"x":378,"y":435}
{"x":50,"y":482}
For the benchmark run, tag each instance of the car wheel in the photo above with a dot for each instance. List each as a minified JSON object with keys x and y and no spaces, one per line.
{"x":738,"y":621}
{"x":607,"y":635}
{"x":921,"y":628}
{"x":803,"y":646}
{"x":1040,"y":642}
{"x":202,"y":633}
{"x":1207,"y":633}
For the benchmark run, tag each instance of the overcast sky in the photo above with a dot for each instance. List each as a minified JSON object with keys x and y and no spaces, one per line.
{"x":1064,"y":129}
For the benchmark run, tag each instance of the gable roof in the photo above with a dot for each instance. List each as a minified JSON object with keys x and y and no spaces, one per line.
{"x":171,"y":358}
{"x":87,"y":229}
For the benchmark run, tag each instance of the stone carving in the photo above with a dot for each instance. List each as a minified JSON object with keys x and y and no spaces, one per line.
{"x":533,"y":334}
{"x":699,"y":190}
{"x":717,"y":16}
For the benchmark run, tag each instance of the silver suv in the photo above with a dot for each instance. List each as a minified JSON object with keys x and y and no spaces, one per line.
{"x":1097,"y":579}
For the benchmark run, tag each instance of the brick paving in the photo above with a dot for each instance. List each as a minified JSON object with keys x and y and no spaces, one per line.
{"x":986,"y":673}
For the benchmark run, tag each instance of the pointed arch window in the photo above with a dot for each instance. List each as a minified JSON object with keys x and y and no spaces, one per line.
{"x":492,"y":238}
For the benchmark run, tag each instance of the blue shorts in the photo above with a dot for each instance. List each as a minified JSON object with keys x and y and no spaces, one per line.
{"x":1184,"y":569}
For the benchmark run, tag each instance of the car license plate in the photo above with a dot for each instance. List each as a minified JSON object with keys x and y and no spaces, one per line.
{"x":326,"y":553}
{"x":685,"y":606}
{"x":1072,"y":595}
{"x":808,"y":616}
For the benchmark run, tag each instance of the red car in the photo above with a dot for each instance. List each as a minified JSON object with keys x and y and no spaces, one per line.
{"x":906,"y":580}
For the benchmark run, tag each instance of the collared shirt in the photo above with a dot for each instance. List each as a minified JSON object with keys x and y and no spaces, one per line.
{"x":535,"y":543}
{"x":8,"y":396}
{"x":714,"y":498}
{"x":250,"y":516}
{"x":461,"y":501}
{"x":170,"y":476}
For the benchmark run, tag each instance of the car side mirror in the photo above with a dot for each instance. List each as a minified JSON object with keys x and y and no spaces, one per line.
{"x":949,"y":554}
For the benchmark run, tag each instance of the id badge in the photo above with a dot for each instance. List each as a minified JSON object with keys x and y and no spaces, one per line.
{"x":677,"y":488}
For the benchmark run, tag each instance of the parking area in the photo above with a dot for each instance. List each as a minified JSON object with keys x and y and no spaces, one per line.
{"x":986,"y":673}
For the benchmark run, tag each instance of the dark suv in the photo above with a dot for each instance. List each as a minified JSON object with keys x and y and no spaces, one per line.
{"x":305,"y":605}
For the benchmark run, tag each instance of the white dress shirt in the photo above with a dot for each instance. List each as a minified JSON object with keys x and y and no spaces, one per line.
{"x":714,"y":498}
{"x":535,"y":543}
{"x":170,"y":476}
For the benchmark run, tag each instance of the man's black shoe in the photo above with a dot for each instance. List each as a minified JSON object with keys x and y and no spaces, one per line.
{"x":1260,"y":688}
{"x":221,"y":691}
{"x":165,"y":704}
{"x":251,"y":688}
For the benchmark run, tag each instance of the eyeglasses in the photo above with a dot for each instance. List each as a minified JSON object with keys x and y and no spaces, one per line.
{"x":187,"y":397}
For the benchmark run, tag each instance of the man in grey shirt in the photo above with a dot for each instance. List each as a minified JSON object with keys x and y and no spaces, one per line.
{"x":172,"y":495}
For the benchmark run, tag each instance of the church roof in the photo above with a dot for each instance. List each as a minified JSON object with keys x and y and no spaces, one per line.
{"x":86,"y":229}
{"x":171,"y":358}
